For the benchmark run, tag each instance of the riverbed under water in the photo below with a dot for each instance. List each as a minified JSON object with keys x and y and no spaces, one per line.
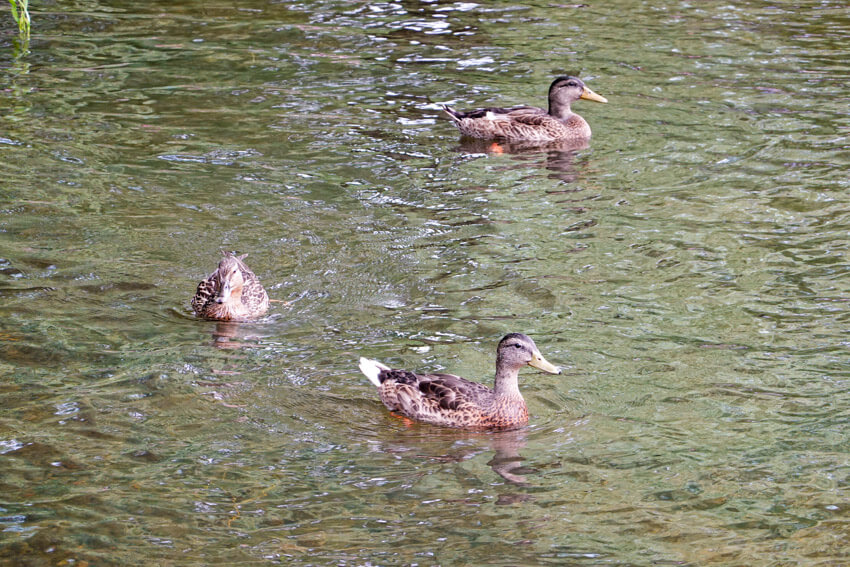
{"x":685,"y":270}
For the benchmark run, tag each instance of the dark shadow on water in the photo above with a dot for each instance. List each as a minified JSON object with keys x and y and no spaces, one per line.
{"x":557,"y":157}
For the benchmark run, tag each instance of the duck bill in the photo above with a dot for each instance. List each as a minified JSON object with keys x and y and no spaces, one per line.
{"x":542,"y":364}
{"x":224,"y":292}
{"x":588,"y":94}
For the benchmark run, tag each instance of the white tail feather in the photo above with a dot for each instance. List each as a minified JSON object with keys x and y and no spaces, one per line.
{"x":371,"y":368}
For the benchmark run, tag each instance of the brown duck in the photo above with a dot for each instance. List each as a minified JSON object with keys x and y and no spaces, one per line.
{"x":231,"y":293}
{"x":529,"y":123}
{"x":452,"y":401}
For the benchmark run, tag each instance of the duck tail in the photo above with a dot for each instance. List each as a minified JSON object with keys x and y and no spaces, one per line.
{"x":372,"y":369}
{"x":453,"y":114}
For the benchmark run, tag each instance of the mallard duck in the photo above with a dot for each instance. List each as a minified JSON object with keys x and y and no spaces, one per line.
{"x":529,"y":123}
{"x":231,"y":292}
{"x":452,"y":401}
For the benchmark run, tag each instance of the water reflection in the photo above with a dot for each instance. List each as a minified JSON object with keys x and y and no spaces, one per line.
{"x":718,"y":208}
{"x":507,"y":461}
{"x":449,"y":445}
{"x":240,"y":334}
{"x":225,"y":335}
{"x":557,"y":157}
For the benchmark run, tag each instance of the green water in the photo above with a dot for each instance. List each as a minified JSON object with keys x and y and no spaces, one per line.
{"x":686,"y":270}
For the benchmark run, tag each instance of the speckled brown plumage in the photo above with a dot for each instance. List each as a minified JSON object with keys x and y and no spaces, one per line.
{"x":452,"y":401}
{"x":529,"y":123}
{"x":231,"y":293}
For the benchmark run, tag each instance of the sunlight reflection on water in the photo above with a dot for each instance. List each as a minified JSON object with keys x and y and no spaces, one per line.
{"x":685,"y":268}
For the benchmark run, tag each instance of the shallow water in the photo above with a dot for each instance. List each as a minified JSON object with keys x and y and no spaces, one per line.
{"x":686,"y":269}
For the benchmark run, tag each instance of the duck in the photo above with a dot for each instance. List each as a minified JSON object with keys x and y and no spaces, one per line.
{"x":231,"y":293}
{"x":451,"y":401}
{"x":530,"y":123}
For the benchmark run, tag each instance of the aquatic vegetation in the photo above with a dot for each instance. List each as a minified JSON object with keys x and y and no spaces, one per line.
{"x":21,"y":15}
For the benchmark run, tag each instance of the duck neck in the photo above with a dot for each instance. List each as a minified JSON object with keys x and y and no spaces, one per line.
{"x":507,"y":381}
{"x":559,"y":109}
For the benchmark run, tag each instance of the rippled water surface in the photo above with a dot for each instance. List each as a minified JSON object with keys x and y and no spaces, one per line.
{"x":688,"y":270}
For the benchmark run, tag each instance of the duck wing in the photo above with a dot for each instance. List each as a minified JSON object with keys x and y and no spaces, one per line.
{"x":530,"y":115}
{"x":450,"y":392}
{"x":205,"y":293}
{"x":496,"y":113}
{"x":528,"y":123}
{"x":435,"y":398}
{"x":254,"y":296}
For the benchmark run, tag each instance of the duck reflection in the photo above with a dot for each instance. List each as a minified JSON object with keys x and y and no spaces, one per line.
{"x":238,"y":334}
{"x":464,"y":445}
{"x":233,"y":335}
{"x":506,"y":461}
{"x":557,"y":157}
{"x":225,"y":335}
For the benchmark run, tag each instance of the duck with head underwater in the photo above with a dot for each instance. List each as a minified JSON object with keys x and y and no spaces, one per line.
{"x":231,"y":293}
{"x":452,"y":401}
{"x":530,"y":123}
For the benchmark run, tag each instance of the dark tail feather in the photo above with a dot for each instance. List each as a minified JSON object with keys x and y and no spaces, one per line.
{"x":453,"y":114}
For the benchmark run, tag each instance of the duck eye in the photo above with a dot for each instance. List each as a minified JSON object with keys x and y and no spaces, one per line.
{"x":518,"y":345}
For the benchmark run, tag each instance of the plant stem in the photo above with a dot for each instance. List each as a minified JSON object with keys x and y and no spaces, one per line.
{"x":20,"y":12}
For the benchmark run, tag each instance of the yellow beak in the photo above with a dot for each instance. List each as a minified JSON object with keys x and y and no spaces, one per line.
{"x":542,"y":364}
{"x":590,"y":95}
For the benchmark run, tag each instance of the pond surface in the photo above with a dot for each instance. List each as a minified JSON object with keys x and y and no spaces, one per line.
{"x":688,"y":269}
